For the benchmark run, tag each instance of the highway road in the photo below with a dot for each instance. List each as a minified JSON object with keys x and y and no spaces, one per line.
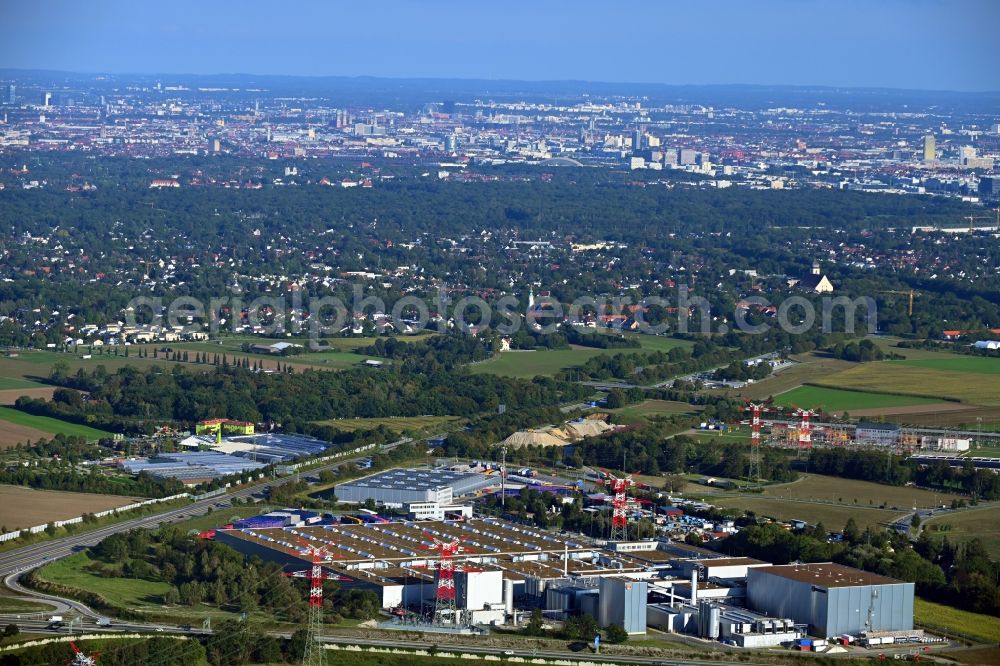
{"x":15,"y":562}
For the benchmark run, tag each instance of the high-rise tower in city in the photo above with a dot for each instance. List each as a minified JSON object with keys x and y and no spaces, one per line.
{"x":930,"y":151}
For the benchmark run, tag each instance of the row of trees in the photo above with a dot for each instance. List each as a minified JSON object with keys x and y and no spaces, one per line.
{"x":652,"y":451}
{"x":60,"y":475}
{"x":895,"y":470}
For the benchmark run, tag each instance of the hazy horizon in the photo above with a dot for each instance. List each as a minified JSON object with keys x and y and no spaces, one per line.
{"x":720,"y":84}
{"x":926,"y":45}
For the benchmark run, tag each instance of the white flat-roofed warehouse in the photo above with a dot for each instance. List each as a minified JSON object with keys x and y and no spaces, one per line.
{"x":397,"y":487}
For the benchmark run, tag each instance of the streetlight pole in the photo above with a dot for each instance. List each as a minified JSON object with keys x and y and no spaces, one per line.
{"x":503,"y":479}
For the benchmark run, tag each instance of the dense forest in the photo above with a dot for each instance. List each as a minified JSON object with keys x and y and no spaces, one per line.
{"x":130,"y":397}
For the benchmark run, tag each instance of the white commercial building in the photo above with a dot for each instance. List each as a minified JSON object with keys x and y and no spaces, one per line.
{"x":436,"y":511}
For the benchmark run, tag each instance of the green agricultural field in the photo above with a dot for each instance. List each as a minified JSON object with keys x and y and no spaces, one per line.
{"x":840,"y":400}
{"x":528,"y":364}
{"x":36,"y":356}
{"x":32,"y":365}
{"x":967,"y":524}
{"x":955,"y":363}
{"x":897,"y":377}
{"x":397,"y":424}
{"x":953,"y":621}
{"x":351,"y":344}
{"x":808,"y":368}
{"x":833,"y":516}
{"x":652,"y":409}
{"x":7,"y":383}
{"x":985,"y":427}
{"x":50,"y":425}
{"x":657,"y":342}
{"x":690,"y":488}
{"x":336,"y":343}
{"x":846,"y":491}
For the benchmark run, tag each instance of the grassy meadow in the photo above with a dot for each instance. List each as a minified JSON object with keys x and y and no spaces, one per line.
{"x":841,"y":400}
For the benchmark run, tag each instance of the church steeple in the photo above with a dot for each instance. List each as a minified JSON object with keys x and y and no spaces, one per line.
{"x":815,"y":270}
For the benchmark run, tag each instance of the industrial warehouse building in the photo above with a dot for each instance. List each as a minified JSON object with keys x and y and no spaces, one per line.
{"x":227,"y":455}
{"x":398,"y":487}
{"x":501,"y":561}
{"x":191,"y":467}
{"x":504,"y":569}
{"x":832,"y":599}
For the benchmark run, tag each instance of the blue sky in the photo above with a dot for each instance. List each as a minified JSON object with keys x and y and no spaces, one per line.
{"x":924,"y":44}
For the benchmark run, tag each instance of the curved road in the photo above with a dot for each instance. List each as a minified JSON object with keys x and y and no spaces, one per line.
{"x":15,"y":562}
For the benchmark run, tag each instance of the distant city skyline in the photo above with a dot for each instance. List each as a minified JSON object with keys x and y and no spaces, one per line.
{"x":918,"y":44}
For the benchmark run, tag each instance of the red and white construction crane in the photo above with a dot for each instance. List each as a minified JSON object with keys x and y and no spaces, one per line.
{"x":619,"y":504}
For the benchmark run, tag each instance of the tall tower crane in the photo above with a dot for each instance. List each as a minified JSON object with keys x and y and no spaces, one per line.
{"x":972,"y":219}
{"x":910,"y":292}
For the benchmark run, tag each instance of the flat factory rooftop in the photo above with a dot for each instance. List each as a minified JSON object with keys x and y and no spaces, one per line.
{"x":391,"y":550}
